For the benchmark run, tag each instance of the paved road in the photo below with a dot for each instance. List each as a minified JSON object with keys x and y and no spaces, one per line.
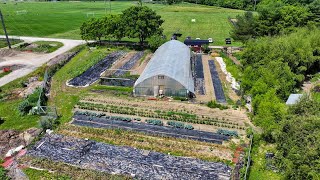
{"x":33,"y":62}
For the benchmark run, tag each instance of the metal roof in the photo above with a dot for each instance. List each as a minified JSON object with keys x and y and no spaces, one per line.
{"x":293,"y":99}
{"x":171,"y":59}
{"x":197,"y":42}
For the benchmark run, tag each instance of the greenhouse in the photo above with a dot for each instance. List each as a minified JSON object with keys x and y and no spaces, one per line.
{"x":168,"y":72}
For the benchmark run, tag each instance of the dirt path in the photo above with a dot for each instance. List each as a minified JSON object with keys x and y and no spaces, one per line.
{"x":209,"y":90}
{"x":32,"y":60}
{"x":139,"y":67}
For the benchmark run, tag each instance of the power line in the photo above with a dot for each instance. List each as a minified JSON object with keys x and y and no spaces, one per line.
{"x":4,"y":29}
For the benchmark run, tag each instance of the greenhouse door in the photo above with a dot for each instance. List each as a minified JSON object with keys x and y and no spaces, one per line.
{"x":155,"y":91}
{"x":161,"y":90}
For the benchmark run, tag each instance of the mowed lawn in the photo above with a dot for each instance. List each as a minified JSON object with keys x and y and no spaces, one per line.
{"x":63,"y":19}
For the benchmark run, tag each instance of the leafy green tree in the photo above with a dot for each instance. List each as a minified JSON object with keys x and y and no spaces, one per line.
{"x":298,"y":141}
{"x":245,"y":27}
{"x":156,"y":41}
{"x":141,"y":22}
{"x":276,"y":17}
{"x":93,"y":29}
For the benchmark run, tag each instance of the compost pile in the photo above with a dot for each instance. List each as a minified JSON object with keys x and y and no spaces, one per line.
{"x":93,"y":73}
{"x":125,"y":160}
{"x":127,"y":66}
{"x":108,"y":122}
{"x":218,"y":90}
{"x":11,"y":139}
{"x":198,"y":75}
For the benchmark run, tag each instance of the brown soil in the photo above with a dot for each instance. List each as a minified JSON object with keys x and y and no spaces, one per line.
{"x":11,"y":139}
{"x":209,"y":90}
{"x":139,"y":67}
{"x":118,"y":64}
{"x":230,"y":115}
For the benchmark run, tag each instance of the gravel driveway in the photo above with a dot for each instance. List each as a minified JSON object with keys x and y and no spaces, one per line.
{"x":32,"y":60}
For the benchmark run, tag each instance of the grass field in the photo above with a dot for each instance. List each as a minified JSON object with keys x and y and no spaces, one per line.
{"x":63,"y":19}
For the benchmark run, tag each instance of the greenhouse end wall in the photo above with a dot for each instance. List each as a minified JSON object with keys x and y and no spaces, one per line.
{"x":152,"y":86}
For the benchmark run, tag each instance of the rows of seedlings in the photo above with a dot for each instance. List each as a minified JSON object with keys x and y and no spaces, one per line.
{"x":218,"y":90}
{"x":152,"y":126}
{"x":93,"y":73}
{"x":112,"y":159}
{"x":128,"y":65}
{"x":198,"y":75}
{"x":168,"y":115}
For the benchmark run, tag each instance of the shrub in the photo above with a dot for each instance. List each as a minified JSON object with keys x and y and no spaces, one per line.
{"x":214,"y":104}
{"x":227,"y":132}
{"x":154,"y":122}
{"x":46,"y":123}
{"x":24,"y":107}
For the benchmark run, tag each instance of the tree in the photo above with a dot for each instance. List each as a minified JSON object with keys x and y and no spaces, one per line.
{"x":156,"y":41}
{"x":245,"y":27}
{"x":276,"y":17}
{"x":141,"y":22}
{"x":93,"y":29}
{"x":298,"y":141}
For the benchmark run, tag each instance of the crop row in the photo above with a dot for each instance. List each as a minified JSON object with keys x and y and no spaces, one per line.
{"x":169,"y":115}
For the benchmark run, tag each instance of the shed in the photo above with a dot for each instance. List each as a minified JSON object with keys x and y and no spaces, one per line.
{"x":293,"y":99}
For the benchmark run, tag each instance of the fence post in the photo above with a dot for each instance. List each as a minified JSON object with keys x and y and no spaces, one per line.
{"x":249,"y":159}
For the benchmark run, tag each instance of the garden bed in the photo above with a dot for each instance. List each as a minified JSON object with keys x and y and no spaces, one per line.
{"x":141,"y":164}
{"x":218,"y":90}
{"x":93,"y":73}
{"x":112,"y":122}
{"x":199,"y":75}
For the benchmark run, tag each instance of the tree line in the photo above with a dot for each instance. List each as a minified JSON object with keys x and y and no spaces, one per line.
{"x":275,"y":18}
{"x":282,"y":47}
{"x":135,"y":22}
{"x":246,"y":4}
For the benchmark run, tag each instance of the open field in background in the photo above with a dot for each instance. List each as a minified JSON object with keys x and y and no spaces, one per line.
{"x":63,"y":19}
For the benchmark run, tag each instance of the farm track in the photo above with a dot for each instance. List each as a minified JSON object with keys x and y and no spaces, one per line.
{"x":33,"y":62}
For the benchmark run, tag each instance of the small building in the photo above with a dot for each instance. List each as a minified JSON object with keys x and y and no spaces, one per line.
{"x":293,"y":99}
{"x":167,"y":73}
{"x":196,"y":43}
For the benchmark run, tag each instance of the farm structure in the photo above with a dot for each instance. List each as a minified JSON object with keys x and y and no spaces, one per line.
{"x":168,"y":72}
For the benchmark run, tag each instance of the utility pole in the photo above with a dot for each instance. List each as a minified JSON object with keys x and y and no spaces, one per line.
{"x":255,"y":3}
{"x":4,"y":29}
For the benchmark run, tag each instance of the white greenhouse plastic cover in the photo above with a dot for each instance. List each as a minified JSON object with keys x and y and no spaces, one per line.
{"x":171,"y":59}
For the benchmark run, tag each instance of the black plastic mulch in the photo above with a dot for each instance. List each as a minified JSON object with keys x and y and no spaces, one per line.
{"x":141,"y":164}
{"x":218,"y":90}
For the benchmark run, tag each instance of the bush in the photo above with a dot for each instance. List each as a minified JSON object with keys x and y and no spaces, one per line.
{"x":214,"y":104}
{"x":154,"y":122}
{"x":24,"y":107}
{"x":179,"y":125}
{"x":46,"y":123}
{"x":227,"y":132}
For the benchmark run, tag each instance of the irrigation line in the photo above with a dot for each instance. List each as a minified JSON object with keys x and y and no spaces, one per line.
{"x":249,"y":159}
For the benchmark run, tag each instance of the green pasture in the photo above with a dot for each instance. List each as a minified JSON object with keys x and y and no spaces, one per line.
{"x":63,"y":19}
